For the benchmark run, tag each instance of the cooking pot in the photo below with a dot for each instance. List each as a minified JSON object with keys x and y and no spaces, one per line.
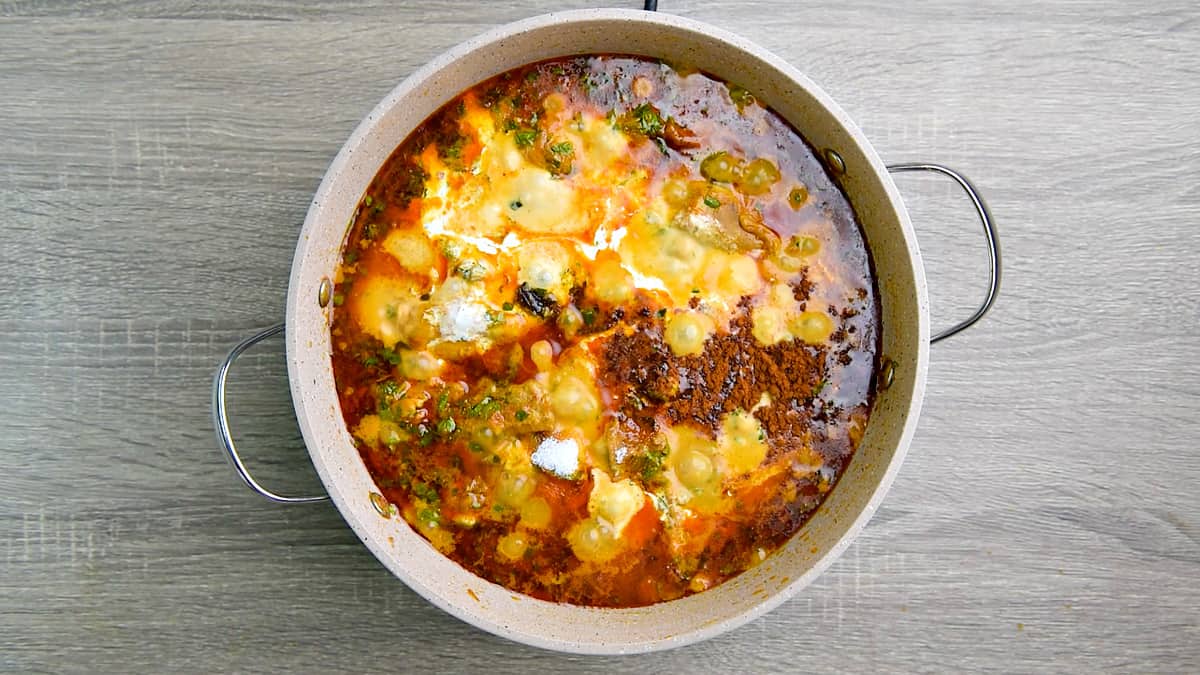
{"x":901,"y":380}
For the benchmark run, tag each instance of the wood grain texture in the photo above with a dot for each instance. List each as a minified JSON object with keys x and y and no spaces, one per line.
{"x":156,"y":161}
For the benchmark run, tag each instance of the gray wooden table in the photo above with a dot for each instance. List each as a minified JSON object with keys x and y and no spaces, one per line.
{"x":157,"y":157}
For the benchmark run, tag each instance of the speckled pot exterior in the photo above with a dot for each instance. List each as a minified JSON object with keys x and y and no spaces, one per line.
{"x":900,"y":278}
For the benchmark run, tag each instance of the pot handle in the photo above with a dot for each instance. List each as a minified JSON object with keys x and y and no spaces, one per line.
{"x":989,"y":231}
{"x":221,"y":421}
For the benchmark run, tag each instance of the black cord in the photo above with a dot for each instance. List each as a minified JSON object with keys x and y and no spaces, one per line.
{"x":651,"y":6}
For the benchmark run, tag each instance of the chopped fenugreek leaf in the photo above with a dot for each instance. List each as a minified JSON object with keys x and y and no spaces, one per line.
{"x":389,"y":389}
{"x":486,"y":407}
{"x":525,"y":137}
{"x":648,"y":120}
{"x":426,"y":493}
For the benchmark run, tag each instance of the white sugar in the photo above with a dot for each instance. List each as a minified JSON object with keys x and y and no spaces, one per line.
{"x":557,"y":456}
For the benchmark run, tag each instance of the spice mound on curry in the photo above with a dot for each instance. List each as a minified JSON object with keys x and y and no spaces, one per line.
{"x":605,"y":331}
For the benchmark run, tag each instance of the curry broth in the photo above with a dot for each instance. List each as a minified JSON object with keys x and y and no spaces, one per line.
{"x":605,"y":331}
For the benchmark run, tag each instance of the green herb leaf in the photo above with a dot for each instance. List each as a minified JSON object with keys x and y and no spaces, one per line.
{"x":563,"y":148}
{"x":390,"y":356}
{"x":525,"y":137}
{"x":485,"y":407}
{"x":452,"y":152}
{"x":712,"y":202}
{"x":426,"y":493}
{"x":652,"y":461}
{"x":648,"y":120}
{"x":389,"y":389}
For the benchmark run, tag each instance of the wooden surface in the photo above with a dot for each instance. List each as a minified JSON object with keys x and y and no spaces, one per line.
{"x":157,"y":157}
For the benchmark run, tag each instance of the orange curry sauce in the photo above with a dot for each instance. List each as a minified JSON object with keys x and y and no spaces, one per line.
{"x":605,"y":331}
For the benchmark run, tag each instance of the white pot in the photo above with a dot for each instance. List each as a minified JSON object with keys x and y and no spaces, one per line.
{"x":902,"y":294}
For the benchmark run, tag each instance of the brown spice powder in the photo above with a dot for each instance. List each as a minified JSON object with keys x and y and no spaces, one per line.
{"x":734,"y":371}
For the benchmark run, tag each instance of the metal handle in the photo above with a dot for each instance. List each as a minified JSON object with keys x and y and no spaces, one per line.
{"x":221,"y":422}
{"x":989,"y":231}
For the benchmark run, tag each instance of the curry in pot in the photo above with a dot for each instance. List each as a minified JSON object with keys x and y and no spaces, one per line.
{"x":605,"y":331}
